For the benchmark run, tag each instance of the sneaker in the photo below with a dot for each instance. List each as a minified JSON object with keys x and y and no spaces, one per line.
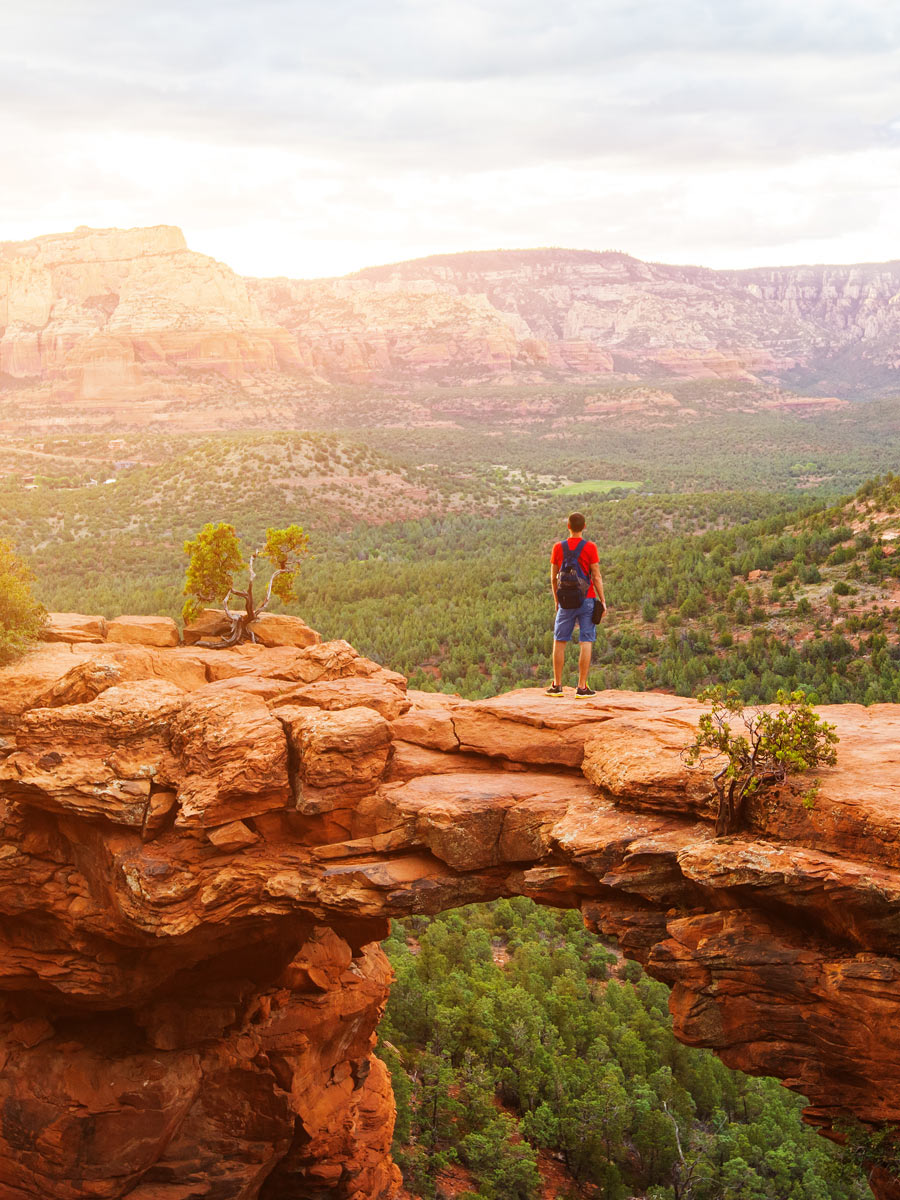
{"x":555,"y":689}
{"x":582,"y":693}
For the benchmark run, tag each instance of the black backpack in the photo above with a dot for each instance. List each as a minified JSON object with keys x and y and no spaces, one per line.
{"x":572,"y":585}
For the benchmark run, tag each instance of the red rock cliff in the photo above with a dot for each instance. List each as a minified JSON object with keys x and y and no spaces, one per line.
{"x":102,"y":314}
{"x":200,"y":850}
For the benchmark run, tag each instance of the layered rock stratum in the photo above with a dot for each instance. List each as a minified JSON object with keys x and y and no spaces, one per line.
{"x":113,"y":321}
{"x":589,"y":312}
{"x":201,"y":849}
{"x":683,"y":320}
{"x":102,"y":313}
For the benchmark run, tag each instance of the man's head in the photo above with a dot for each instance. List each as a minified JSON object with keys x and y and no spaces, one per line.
{"x":576,"y":522}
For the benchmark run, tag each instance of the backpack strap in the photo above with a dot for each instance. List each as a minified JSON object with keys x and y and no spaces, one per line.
{"x":573,"y":555}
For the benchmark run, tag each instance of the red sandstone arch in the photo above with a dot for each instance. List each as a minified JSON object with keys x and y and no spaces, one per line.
{"x":200,"y":851}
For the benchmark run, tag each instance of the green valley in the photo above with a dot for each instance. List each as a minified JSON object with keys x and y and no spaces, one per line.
{"x":753,"y":548}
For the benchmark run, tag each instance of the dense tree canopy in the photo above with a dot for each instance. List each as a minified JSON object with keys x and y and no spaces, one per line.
{"x":460,"y":601}
{"x":517,"y":1042}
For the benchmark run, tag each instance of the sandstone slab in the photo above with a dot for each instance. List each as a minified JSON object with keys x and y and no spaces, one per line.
{"x":527,"y":727}
{"x":428,"y":722}
{"x":279,"y":629}
{"x":74,"y":627}
{"x":410,"y":760}
{"x":143,"y":631}
{"x":367,"y":691}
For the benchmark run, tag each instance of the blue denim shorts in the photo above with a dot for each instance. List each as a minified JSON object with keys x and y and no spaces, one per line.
{"x":565,"y":623}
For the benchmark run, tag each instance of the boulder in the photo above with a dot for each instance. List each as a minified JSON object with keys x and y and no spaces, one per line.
{"x":73,"y":627}
{"x":356,"y":692}
{"x":278,"y":629}
{"x":178,"y":665}
{"x":212,"y":623}
{"x":290,"y":664}
{"x":81,"y":684}
{"x":96,"y":759}
{"x":143,"y":631}
{"x":232,"y":757}
{"x":156,"y":815}
{"x":233,"y":836}
{"x":348,"y":746}
{"x":28,"y":679}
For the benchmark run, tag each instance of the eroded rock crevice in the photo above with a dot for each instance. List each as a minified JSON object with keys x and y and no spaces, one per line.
{"x":200,"y":851}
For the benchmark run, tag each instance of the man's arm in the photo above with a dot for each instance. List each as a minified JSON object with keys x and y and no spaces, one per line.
{"x":597,"y":581}
{"x":554,"y":581}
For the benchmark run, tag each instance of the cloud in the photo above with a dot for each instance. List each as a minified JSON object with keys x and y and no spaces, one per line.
{"x":437,"y":39}
{"x":366,"y":132}
{"x":465,"y":80}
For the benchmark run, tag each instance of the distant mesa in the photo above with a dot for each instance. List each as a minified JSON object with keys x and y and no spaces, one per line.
{"x":110,"y":318}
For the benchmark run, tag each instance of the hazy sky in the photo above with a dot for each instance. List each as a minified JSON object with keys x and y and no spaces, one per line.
{"x":312,"y":137}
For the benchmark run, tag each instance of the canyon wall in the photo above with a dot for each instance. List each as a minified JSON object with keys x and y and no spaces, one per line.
{"x":363,"y":330}
{"x":681,"y":319}
{"x":111,"y":312}
{"x":108,"y":319}
{"x":856,"y":308}
{"x":200,"y":850}
{"x":653,"y":317}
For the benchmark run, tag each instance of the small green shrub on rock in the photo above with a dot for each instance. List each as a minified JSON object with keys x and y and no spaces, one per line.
{"x":772,"y":745}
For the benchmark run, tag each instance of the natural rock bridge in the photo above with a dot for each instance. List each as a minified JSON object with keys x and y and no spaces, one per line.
{"x":200,"y":851}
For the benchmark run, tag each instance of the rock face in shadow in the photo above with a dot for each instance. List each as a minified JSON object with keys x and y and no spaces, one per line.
{"x":201,"y":849}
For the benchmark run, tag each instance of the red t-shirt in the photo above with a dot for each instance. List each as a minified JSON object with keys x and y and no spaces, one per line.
{"x":585,"y":558}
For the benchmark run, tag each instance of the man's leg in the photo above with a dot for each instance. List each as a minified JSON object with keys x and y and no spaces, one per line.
{"x":585,"y":650}
{"x":559,"y":661}
{"x":563,"y":628}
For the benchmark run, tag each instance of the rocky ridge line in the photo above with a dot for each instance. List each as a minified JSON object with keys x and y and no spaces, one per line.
{"x":121,"y":320}
{"x":200,"y":850}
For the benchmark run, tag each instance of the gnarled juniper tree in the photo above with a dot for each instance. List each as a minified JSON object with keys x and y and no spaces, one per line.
{"x":767,"y":747}
{"x":216,"y":562}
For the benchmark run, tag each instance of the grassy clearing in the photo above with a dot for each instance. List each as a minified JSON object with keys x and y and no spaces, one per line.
{"x":593,"y":485}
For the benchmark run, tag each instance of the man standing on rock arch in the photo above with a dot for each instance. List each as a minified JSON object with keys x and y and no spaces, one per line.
{"x":577,"y":587}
